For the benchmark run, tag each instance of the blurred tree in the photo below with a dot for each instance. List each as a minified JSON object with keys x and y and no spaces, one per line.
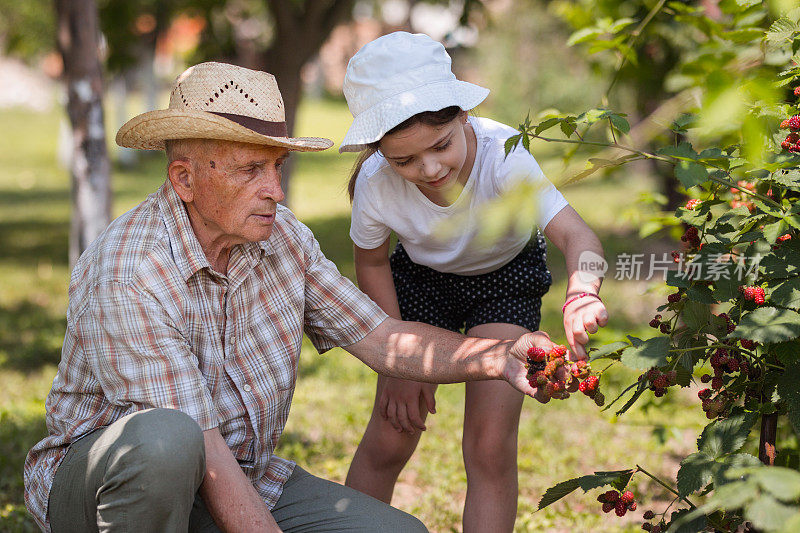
{"x":78,"y":41}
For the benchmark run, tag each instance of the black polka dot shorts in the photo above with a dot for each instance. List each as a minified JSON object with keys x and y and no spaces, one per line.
{"x":512,"y":294}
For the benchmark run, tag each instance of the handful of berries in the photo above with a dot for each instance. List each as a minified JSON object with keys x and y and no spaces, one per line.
{"x":543,"y":372}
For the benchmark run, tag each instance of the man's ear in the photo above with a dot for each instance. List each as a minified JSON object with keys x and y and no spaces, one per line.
{"x":181,"y":175}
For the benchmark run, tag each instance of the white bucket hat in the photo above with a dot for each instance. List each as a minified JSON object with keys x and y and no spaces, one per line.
{"x":395,"y":77}
{"x":218,"y":101}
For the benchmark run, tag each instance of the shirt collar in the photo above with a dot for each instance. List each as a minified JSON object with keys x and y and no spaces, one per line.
{"x":186,"y":249}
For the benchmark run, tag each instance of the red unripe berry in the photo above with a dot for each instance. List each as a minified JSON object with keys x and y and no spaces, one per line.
{"x":797,"y":91}
{"x":785,"y":124}
{"x":537,"y":354}
{"x":794,"y":122}
{"x":632,"y":506}
{"x":649,"y":515}
{"x":627,"y":497}
{"x":676,"y":256}
{"x":620,"y":508}
{"x":691,"y":204}
{"x":788,"y":236}
{"x":704,"y":394}
{"x":558,"y":350}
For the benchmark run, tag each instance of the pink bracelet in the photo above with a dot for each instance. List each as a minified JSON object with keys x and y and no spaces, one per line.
{"x":581,"y":295}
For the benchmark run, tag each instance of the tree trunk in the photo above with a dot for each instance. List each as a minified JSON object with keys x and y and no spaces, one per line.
{"x":78,"y":36}
{"x":301,"y":28}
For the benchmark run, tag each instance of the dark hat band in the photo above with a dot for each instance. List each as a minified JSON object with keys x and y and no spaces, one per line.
{"x":263,"y":127}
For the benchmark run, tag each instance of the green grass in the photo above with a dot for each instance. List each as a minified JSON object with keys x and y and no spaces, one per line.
{"x":335,"y":392}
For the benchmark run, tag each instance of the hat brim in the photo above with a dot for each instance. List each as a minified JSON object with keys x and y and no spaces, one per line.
{"x":372,"y":124}
{"x":148,"y":131}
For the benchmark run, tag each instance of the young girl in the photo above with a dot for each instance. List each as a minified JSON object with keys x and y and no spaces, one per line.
{"x":425,"y":160}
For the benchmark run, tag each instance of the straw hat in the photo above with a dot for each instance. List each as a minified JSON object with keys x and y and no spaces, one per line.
{"x":395,"y":77}
{"x":218,"y":101}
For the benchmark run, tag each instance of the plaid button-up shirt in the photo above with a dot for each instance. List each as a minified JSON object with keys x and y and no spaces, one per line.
{"x":151,"y":324}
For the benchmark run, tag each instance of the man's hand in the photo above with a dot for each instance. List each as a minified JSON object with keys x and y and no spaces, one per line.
{"x":514,"y":369}
{"x":581,"y":317}
{"x":402,"y":403}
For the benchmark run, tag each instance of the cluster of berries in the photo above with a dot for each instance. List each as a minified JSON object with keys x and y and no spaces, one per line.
{"x":653,"y":528}
{"x":755,"y":294}
{"x":543,"y":372}
{"x":784,"y":238}
{"x":621,"y":503}
{"x":792,"y":141}
{"x":716,"y":401}
{"x":659,"y":381}
{"x":658,"y":324}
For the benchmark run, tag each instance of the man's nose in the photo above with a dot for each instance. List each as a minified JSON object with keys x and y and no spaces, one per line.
{"x":271,"y":186}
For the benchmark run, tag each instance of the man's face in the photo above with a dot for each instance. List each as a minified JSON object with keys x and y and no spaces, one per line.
{"x":235,"y":191}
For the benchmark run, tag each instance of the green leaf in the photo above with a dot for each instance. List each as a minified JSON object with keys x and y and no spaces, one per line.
{"x":690,"y":173}
{"x":511,"y":143}
{"x":556,"y":492}
{"x":767,"y":513}
{"x":769,"y":325}
{"x":695,"y":473}
{"x":587,"y":483}
{"x":606,"y":350}
{"x":583,"y":35}
{"x":652,"y":352}
{"x":696,"y":315}
{"x":789,"y":391}
{"x":620,"y":123}
{"x":725,"y":436}
{"x":682,"y":151}
{"x":630,"y":401}
{"x":782,"y":483}
{"x":792,"y":525}
{"x":774,"y":230}
{"x":546,"y":125}
{"x":787,"y":352}
{"x":787,"y":294}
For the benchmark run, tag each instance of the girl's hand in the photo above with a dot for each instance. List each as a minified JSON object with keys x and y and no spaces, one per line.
{"x":581,"y":317}
{"x":403,"y":404}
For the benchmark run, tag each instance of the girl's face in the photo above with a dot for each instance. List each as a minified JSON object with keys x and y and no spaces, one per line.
{"x":434,"y":158}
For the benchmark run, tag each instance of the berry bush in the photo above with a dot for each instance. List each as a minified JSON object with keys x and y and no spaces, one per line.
{"x":730,"y":325}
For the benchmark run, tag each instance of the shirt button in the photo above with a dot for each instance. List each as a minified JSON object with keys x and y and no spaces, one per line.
{"x":247,"y":388}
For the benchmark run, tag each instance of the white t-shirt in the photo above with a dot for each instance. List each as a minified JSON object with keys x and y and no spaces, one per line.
{"x":384,"y":202}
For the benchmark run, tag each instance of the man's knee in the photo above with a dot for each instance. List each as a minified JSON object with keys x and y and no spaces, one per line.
{"x":167,"y":441}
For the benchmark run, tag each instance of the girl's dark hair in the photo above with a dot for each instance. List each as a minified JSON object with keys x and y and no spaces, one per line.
{"x":428,"y":118}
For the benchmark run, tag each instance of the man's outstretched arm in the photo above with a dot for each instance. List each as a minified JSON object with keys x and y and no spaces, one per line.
{"x":413,"y":350}
{"x":228,"y":494}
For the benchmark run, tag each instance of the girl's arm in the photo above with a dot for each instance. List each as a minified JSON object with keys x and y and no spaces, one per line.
{"x":583,"y":254}
{"x":401,"y":400}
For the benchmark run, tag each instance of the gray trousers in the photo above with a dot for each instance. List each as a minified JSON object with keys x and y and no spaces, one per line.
{"x":142,"y":473}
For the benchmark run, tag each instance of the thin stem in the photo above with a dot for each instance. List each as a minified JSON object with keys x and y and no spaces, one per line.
{"x":657,"y":480}
{"x":611,"y":127}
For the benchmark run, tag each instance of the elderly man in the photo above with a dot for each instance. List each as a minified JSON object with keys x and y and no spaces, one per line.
{"x":184,"y":329}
